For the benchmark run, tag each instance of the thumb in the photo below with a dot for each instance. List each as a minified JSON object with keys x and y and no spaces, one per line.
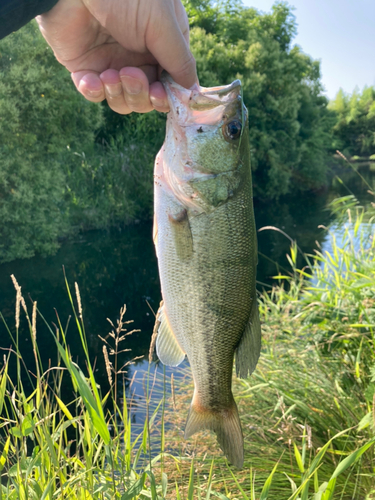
{"x":171,"y":50}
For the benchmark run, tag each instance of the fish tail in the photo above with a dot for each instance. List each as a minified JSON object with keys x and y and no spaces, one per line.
{"x":225,"y":423}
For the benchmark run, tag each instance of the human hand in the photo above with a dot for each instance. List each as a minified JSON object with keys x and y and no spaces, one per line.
{"x":116,"y":49}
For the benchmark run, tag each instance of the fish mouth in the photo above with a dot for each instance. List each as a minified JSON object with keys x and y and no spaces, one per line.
{"x":201,"y":104}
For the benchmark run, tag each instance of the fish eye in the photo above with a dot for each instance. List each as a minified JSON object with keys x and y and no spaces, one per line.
{"x":232,"y":130}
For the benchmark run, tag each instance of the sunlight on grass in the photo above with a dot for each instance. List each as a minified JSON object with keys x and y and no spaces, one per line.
{"x":308,"y":411}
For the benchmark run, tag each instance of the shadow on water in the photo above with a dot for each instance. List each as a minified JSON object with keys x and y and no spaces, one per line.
{"x":116,"y":267}
{"x":112,"y":269}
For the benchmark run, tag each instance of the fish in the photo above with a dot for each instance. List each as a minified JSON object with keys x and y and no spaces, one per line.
{"x":205,"y":240}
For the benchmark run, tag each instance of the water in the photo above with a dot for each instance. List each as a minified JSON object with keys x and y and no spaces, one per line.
{"x":118,"y":267}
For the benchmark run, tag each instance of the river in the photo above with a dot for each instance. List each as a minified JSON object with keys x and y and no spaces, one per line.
{"x":118,"y":267}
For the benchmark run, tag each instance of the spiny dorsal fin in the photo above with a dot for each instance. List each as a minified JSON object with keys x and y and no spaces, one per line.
{"x":167,"y":348}
{"x":248,"y":350}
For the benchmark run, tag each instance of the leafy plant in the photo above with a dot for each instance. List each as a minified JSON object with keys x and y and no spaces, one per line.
{"x":41,"y":116}
{"x":353,"y":132}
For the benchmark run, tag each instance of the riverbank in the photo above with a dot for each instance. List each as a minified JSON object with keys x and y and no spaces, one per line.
{"x":308,"y":411}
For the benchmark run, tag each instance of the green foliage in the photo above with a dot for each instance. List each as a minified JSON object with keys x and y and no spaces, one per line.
{"x":41,"y":115}
{"x":112,"y":183}
{"x":354,"y":131}
{"x":40,"y":105}
{"x":289,"y":121}
{"x":31,"y":209}
{"x":67,"y":164}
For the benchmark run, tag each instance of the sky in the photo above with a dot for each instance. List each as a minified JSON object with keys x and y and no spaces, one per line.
{"x":341,"y":34}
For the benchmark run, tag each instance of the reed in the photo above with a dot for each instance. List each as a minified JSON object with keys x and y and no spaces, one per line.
{"x":308,"y":411}
{"x":53,"y":449}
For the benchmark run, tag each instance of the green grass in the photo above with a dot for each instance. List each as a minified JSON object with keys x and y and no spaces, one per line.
{"x":308,"y":411}
{"x":309,"y":407}
{"x":51,"y":449}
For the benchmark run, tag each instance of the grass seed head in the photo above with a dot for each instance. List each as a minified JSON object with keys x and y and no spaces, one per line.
{"x":33,"y":322}
{"x":78,"y":295}
{"x":19,"y":300}
{"x":108,"y":364}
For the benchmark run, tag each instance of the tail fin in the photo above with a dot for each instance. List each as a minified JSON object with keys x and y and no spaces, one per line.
{"x":225,"y":423}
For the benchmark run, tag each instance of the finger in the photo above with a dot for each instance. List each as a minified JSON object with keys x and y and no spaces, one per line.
{"x":158,"y":97}
{"x":182,"y":19}
{"x":136,"y":89}
{"x":114,"y":91}
{"x":167,"y":44}
{"x":89,"y":85}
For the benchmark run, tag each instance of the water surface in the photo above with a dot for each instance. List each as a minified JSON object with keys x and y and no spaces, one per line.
{"x":118,"y":267}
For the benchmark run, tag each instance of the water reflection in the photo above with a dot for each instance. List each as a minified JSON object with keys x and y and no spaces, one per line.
{"x":119,"y":267}
{"x":112,"y":269}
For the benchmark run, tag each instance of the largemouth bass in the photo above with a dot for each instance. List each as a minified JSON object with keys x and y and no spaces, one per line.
{"x":205,"y":239}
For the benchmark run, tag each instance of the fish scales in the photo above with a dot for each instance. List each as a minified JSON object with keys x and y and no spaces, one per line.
{"x":205,"y":240}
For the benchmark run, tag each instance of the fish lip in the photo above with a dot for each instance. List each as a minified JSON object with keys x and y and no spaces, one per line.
{"x":223,"y":90}
{"x":172,"y":88}
{"x":184,"y":101}
{"x":219,"y":91}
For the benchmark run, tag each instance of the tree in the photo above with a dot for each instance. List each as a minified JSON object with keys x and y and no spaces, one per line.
{"x":66,"y":163}
{"x":354,"y":131}
{"x":288,"y":117}
{"x":42,"y":116}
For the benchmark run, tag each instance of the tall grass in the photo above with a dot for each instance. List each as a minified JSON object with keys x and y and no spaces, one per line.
{"x":309,"y":408}
{"x":53,"y":449}
{"x":308,"y":411}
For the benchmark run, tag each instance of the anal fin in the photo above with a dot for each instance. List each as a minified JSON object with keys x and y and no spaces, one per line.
{"x":167,"y":348}
{"x":248,"y":350}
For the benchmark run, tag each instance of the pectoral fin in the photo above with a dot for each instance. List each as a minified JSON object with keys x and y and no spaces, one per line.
{"x":248,"y":350}
{"x":167,"y":348}
{"x":181,"y":232}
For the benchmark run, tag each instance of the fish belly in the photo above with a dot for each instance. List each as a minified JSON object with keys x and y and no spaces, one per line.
{"x":208,"y":290}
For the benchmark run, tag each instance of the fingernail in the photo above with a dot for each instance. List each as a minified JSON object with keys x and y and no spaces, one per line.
{"x":114,"y":90}
{"x":159,"y":103}
{"x":132,"y":86}
{"x":93,"y":93}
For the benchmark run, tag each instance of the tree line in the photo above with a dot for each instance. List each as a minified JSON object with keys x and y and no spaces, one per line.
{"x":68,"y":165}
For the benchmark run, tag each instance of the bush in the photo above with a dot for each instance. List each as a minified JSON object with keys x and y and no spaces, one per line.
{"x":354,"y":131}
{"x":41,"y":116}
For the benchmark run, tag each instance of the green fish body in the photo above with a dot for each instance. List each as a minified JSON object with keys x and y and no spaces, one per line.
{"x":205,"y":239}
